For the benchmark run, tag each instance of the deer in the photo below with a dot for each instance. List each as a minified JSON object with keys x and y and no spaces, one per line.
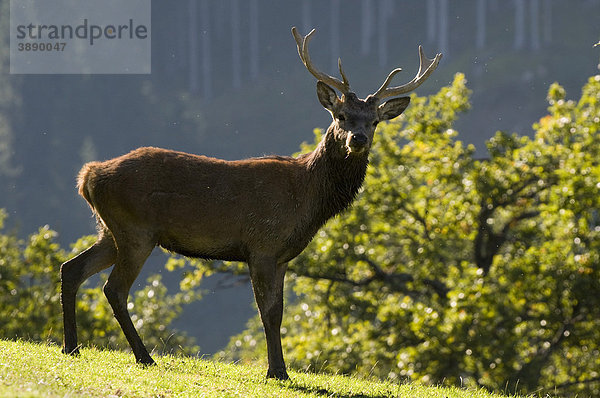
{"x":263,"y":211}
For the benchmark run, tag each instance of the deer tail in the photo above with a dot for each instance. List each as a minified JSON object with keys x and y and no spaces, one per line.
{"x":83,"y":183}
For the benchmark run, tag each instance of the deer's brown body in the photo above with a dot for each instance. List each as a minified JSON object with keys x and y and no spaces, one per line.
{"x":216,"y":209}
{"x":263,"y":211}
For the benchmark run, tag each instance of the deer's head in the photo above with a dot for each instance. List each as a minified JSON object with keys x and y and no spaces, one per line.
{"x":355,"y":119}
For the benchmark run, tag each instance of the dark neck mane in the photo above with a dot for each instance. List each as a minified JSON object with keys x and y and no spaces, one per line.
{"x":336,"y":175}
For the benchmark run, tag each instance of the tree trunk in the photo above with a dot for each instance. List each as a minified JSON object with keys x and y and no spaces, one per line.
{"x":367,"y":27}
{"x":431,"y":21}
{"x":334,"y":25}
{"x":519,"y":42}
{"x":193,"y":45}
{"x":444,"y":25}
{"x":534,"y":9}
{"x":306,"y":22}
{"x":206,"y":51}
{"x":382,"y":32}
{"x":547,"y":22}
{"x":236,"y":49}
{"x":481,"y":24}
{"x":254,"y":39}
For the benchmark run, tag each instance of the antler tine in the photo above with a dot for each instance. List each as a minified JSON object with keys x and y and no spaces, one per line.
{"x":302,"y":43}
{"x":344,"y":78}
{"x":426,"y":68}
{"x":388,"y":80}
{"x":300,"y":40}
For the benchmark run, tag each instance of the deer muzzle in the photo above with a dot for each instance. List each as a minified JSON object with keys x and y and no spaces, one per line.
{"x":357,"y":142}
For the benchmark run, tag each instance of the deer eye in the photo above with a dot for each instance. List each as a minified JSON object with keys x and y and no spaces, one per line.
{"x":341,"y":118}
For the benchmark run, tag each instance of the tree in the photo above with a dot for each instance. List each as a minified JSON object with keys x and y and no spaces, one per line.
{"x":30,"y":298}
{"x":9,"y":100}
{"x":449,"y":269}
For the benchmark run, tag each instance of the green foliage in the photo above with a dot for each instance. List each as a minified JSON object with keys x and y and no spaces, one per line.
{"x":30,"y":298}
{"x":39,"y":370}
{"x":454,"y":270}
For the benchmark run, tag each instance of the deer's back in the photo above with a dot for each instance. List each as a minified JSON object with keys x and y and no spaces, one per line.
{"x":202,"y":206}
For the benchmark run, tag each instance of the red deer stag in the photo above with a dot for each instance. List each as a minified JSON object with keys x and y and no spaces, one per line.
{"x":263,"y":211}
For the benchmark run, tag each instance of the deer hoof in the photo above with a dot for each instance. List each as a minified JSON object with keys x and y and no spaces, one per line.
{"x":279,"y":374}
{"x":146,"y":361}
{"x":73,"y":352}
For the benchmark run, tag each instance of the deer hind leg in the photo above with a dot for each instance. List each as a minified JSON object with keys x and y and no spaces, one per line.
{"x":267,"y":282}
{"x":73,"y":273}
{"x":130,"y":259}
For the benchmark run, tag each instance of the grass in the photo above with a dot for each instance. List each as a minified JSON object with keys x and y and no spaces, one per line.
{"x":35,"y":370}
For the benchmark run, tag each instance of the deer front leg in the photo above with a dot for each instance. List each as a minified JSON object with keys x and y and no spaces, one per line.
{"x":267,"y":282}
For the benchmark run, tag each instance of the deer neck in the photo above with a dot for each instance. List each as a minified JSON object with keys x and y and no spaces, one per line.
{"x":336,"y":175}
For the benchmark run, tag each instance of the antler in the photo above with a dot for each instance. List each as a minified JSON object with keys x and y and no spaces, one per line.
{"x":302,"y":43}
{"x":426,"y":68}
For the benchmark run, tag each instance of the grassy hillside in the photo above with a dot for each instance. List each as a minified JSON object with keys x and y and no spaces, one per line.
{"x":33,"y":370}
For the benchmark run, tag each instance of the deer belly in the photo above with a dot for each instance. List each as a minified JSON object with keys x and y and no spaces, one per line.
{"x":207,"y":247}
{"x":226,"y":231}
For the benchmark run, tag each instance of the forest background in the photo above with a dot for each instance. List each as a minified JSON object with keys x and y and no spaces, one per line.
{"x":226,"y":82}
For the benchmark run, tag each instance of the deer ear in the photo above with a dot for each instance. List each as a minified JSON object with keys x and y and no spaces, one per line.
{"x":392,"y":108}
{"x":327,"y":96}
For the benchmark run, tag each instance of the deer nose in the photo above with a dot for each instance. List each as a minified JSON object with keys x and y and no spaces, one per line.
{"x":358,"y":140}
